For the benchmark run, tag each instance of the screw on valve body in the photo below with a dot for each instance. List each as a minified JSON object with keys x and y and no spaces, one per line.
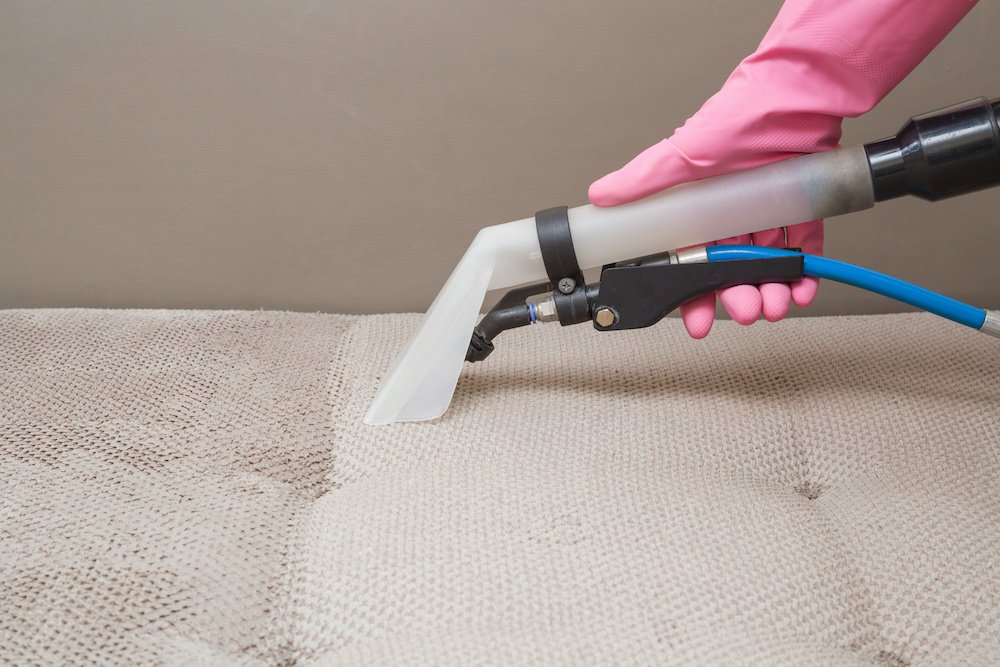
{"x":567,"y":285}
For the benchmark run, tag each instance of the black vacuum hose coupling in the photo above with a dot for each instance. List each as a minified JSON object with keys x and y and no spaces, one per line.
{"x":940,"y":154}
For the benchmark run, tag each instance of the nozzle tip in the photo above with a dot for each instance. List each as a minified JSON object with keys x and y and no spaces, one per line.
{"x":479,"y":348}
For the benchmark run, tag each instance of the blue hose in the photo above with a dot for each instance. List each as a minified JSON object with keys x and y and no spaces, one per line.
{"x":873,"y":281}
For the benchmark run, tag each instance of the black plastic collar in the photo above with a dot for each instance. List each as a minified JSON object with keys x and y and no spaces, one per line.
{"x":556,"y":244}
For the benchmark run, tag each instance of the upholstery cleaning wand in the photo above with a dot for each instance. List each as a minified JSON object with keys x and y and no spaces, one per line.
{"x":942,"y":154}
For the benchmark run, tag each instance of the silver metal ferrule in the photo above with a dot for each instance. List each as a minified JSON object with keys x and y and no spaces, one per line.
{"x":689,"y":256}
{"x":991,"y":326}
{"x":545,"y":310}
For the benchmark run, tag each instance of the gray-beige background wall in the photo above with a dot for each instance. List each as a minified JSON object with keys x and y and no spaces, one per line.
{"x":340,"y":155}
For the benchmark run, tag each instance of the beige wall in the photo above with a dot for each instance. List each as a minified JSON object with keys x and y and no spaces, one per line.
{"x":339,"y":155}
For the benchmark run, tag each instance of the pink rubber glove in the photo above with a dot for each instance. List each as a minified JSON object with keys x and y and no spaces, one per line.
{"x":821,"y":61}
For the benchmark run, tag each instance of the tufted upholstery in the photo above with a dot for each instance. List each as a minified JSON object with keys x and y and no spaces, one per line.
{"x":196,"y":487}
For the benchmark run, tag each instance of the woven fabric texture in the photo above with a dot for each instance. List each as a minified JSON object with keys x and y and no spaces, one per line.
{"x":198,"y":488}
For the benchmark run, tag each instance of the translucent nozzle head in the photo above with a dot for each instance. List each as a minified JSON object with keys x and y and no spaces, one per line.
{"x":420,"y":384}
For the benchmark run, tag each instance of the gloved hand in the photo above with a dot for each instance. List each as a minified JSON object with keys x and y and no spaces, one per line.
{"x":821,"y":61}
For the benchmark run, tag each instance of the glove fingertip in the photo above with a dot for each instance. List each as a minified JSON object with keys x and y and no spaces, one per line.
{"x":699,"y":315}
{"x":775,"y":300}
{"x":742,"y":302}
{"x":804,"y":291}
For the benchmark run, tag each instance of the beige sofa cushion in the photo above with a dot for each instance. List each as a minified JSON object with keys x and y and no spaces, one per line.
{"x":197,"y":487}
